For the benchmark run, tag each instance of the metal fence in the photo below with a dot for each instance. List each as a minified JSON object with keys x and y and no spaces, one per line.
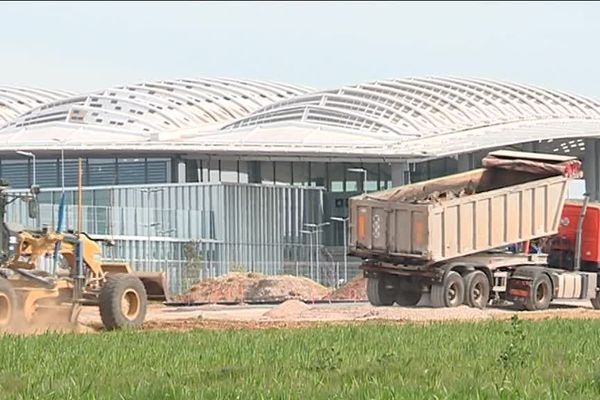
{"x":195,"y":231}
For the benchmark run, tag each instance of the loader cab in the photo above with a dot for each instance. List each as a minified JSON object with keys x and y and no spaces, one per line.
{"x":562,"y":253}
{"x":9,"y":232}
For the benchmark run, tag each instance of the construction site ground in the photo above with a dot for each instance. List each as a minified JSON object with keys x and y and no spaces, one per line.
{"x":294,"y":313}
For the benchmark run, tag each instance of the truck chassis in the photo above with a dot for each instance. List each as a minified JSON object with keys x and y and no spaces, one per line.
{"x":477,"y":280}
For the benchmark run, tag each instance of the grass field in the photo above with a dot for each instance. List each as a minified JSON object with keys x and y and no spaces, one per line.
{"x":515,"y":359}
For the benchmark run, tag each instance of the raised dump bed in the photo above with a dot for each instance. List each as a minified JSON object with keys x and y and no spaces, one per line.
{"x":515,"y":197}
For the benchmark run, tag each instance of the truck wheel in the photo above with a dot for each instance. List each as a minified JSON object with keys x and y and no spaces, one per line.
{"x":8,"y":304}
{"x":408,"y":297}
{"x":123,"y":302}
{"x":450,"y":293}
{"x":477,"y":289}
{"x":381,"y":290}
{"x":596,"y":302}
{"x":540,"y":294}
{"x":408,"y":293}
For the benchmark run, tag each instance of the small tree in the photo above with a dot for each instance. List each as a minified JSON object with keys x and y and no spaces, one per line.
{"x":192,"y":251}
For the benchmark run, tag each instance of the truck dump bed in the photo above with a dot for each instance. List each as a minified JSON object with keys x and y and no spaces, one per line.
{"x":515,"y":197}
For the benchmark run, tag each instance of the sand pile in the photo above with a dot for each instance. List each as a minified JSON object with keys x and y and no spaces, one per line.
{"x":288,"y":309}
{"x":240,"y":287}
{"x":355,"y":290}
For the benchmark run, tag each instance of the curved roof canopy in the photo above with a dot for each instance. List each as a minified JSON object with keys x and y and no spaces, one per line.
{"x":397,"y":119}
{"x":140,"y":112}
{"x":418,"y":117}
{"x":15,"y":101}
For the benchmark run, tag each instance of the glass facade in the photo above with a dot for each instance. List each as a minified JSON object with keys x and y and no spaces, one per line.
{"x":96,"y":171}
{"x":340,"y":180}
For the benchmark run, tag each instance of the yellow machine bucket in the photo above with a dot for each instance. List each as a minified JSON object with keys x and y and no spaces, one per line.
{"x":154,"y":282}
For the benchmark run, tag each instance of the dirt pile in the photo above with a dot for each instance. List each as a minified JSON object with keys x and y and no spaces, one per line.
{"x":355,"y":290}
{"x":253,"y":287}
{"x":289,"y":309}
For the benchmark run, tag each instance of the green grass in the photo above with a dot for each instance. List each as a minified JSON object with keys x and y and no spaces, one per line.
{"x":552,"y":359}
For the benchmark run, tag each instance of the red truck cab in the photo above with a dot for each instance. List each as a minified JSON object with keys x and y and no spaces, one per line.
{"x":563,"y":247}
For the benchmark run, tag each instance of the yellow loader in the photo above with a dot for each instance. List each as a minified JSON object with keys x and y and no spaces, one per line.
{"x":83,"y":278}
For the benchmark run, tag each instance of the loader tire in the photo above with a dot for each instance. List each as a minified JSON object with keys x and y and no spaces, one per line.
{"x":381,"y":290}
{"x":123,"y":302}
{"x":540,"y":293}
{"x":8,"y":305}
{"x":449,"y":293}
{"x":477,"y":289}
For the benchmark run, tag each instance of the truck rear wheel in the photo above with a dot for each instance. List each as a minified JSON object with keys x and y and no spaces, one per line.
{"x":596,"y":302}
{"x":408,"y":293}
{"x":450,"y":293}
{"x":381,"y":290}
{"x":540,"y":293}
{"x":477,"y":289}
{"x":123,"y":302}
{"x":8,"y":304}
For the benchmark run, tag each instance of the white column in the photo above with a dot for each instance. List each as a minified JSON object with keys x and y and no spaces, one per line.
{"x":400,"y":173}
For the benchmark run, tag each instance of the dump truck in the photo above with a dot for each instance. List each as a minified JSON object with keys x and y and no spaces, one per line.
{"x":81,"y":278}
{"x":465,"y":238}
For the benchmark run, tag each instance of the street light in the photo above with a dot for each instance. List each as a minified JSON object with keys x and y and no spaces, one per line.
{"x":32,"y":156}
{"x":62,"y":161}
{"x":364,"y":172}
{"x":149,"y":225}
{"x":310,"y":258}
{"x":344,"y":221}
{"x":317,"y":243}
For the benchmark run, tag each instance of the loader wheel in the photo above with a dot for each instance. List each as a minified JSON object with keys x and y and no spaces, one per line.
{"x":8,"y":304}
{"x":123,"y":302}
{"x":477,"y":289}
{"x":381,"y":290}
{"x":540,"y":293}
{"x":450,"y":293}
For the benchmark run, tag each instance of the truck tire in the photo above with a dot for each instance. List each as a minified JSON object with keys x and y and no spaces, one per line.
{"x":408,"y":293}
{"x":596,"y":302}
{"x":477,"y":289}
{"x":123,"y":302}
{"x":540,"y":294}
{"x":450,"y":293}
{"x":381,"y":290}
{"x":8,"y":304}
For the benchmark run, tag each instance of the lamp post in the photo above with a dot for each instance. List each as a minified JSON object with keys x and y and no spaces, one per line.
{"x":149,"y":225}
{"x":32,"y":156}
{"x":62,"y":162}
{"x":317,"y":244}
{"x":310,"y":262}
{"x":344,"y":222}
{"x":364,"y":172}
{"x":163,"y":232}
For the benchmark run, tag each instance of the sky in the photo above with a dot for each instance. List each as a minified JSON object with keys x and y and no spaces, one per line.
{"x":90,"y":46}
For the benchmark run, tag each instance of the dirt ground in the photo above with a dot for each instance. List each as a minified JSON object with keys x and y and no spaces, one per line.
{"x":295,"y":314}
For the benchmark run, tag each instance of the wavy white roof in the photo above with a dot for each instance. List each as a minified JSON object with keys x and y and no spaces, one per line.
{"x":418,"y":117}
{"x":415,"y":118}
{"x":135,"y":112}
{"x":15,"y":101}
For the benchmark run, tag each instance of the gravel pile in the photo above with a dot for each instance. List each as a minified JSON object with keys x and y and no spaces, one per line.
{"x":241,"y":287}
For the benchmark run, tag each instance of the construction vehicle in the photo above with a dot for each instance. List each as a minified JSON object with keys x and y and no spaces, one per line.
{"x":82,"y":279}
{"x":451,"y":237}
